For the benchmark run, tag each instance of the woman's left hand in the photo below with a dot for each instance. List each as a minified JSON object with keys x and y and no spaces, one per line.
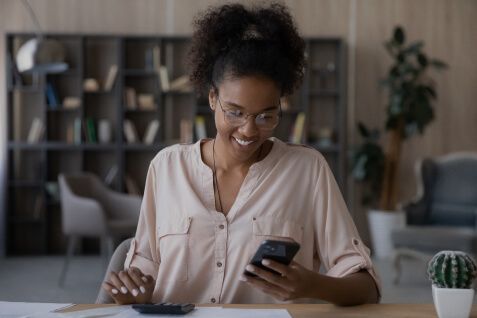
{"x":294,"y":281}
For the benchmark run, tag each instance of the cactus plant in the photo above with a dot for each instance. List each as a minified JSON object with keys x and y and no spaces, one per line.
{"x":452,"y":269}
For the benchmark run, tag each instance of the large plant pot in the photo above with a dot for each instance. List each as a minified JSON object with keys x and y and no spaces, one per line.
{"x":452,"y":302}
{"x":381,"y":224}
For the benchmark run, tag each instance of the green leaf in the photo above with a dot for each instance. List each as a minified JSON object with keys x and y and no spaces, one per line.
{"x":429,"y":91}
{"x":363,"y":130}
{"x":401,"y":57}
{"x":395,"y":107}
{"x":399,"y":36}
{"x":438,"y":64}
{"x":422,"y":59}
{"x":414,"y":47}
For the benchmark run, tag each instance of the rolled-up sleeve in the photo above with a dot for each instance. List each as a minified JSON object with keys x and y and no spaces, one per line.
{"x":143,"y":253}
{"x":340,"y":248}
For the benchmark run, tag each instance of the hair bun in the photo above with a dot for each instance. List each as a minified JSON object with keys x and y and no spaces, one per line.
{"x":251,"y":33}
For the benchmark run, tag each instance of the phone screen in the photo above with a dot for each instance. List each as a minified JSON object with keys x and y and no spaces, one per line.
{"x":279,"y":251}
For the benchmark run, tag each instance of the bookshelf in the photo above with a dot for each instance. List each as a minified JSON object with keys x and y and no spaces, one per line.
{"x":113,"y":80}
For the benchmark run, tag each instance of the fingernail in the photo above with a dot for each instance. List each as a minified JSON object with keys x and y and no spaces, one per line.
{"x":124,"y":290}
{"x":142,"y":289}
{"x":250,"y":268}
{"x":114,"y":291}
{"x":144,"y":279}
{"x":266,"y":262}
{"x":135,"y":292}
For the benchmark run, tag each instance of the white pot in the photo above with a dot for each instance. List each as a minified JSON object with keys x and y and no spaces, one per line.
{"x":381,"y":224}
{"x":452,"y":302}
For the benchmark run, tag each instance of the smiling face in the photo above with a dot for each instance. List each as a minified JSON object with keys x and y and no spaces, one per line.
{"x":250,"y":95}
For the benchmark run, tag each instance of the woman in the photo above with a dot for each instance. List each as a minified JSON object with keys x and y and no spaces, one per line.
{"x":207,"y":206}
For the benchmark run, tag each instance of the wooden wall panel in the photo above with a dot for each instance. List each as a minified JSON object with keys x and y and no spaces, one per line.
{"x":449,"y":30}
{"x":447,"y":27}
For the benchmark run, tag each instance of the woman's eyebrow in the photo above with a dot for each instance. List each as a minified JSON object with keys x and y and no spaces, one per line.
{"x":241,"y":107}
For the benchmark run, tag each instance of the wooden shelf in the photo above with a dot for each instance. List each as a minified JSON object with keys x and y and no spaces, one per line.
{"x":139,"y":72}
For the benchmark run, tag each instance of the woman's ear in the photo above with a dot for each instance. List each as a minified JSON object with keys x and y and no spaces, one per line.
{"x":212,"y":98}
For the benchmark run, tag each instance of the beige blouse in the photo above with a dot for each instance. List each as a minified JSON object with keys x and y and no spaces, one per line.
{"x":197,"y":254}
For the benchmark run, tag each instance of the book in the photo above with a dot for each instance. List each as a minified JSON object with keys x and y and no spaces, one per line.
{"x":130,"y":132}
{"x":145,"y":101}
{"x":70,"y":134}
{"x":110,"y":79}
{"x":200,"y":131}
{"x":164,"y":78}
{"x":38,"y":207}
{"x":51,"y":97}
{"x":131,"y":185}
{"x":297,"y":133}
{"x":151,"y":132}
{"x":91,"y":130}
{"x":111,"y":175}
{"x":156,"y":57}
{"x":37,"y":129}
{"x":186,"y":131}
{"x":130,"y":98}
{"x":77,"y":131}
{"x":181,"y":84}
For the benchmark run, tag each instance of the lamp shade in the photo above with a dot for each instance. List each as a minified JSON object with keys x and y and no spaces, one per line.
{"x":42,"y":56}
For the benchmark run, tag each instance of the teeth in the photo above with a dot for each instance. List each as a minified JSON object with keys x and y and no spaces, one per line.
{"x":243,"y":142}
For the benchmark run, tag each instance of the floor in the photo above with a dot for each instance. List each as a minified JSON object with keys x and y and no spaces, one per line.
{"x":36,"y":280}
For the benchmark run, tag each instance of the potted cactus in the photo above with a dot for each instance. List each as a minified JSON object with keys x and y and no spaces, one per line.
{"x":452,"y":274}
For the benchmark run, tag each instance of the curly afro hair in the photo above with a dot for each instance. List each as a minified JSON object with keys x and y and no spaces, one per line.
{"x":233,"y":41}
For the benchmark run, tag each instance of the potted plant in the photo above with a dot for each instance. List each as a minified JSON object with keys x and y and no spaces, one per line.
{"x":409,"y":110}
{"x":452,"y":274}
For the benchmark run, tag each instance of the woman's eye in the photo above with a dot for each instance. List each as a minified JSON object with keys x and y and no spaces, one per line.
{"x":265,"y":116}
{"x":235,"y":113}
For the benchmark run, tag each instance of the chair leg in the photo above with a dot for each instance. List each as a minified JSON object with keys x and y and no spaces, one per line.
{"x":72,"y":241}
{"x":396,"y":259}
{"x":107,"y":250}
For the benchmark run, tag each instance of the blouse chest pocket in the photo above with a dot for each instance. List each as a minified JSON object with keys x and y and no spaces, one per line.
{"x":173,"y":236}
{"x":268,"y":228}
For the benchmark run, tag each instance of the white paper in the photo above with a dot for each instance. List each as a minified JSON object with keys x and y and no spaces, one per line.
{"x":21,"y":309}
{"x":215,"y":312}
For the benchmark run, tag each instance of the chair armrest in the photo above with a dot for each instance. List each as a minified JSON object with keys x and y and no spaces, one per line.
{"x":83,"y":216}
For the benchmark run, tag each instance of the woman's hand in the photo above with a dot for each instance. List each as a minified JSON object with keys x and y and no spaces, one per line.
{"x":294,"y":280}
{"x":130,"y":286}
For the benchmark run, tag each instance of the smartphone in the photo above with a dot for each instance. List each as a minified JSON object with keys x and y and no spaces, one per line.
{"x":279,"y":251}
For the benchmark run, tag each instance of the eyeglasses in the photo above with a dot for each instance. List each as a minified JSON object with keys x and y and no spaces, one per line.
{"x":267,"y":120}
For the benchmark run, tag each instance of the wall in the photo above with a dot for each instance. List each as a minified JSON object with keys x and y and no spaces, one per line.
{"x":446,"y":26}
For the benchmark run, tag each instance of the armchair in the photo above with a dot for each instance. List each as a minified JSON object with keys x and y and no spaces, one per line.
{"x":90,"y":209}
{"x":444,"y":216}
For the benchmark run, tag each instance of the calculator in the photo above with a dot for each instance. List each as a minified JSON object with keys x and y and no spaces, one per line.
{"x":164,"y":308}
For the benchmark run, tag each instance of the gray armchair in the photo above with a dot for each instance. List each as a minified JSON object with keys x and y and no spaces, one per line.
{"x":444,"y":215}
{"x":90,"y":209}
{"x":116,"y":264}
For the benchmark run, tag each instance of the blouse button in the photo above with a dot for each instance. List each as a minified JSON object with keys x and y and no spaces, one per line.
{"x":219,"y":264}
{"x":221,"y":226}
{"x":355,"y":242}
{"x":212,"y":300}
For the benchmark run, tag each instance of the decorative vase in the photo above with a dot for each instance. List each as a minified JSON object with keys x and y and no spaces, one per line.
{"x":452,"y":302}
{"x":381,"y":224}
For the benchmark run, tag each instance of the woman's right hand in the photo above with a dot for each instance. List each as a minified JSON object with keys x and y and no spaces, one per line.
{"x":130,"y":286}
